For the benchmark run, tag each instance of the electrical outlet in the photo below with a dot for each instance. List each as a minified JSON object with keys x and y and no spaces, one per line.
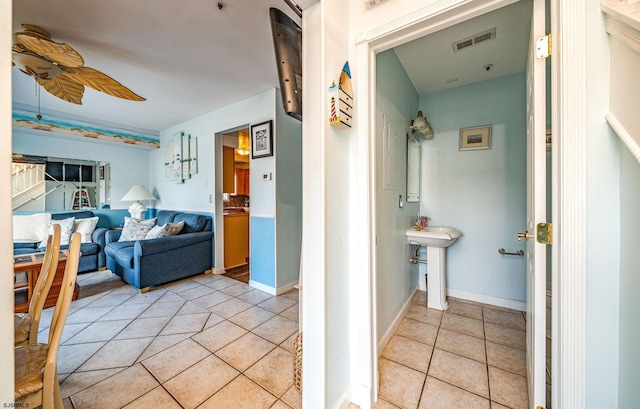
{"x":266,"y":176}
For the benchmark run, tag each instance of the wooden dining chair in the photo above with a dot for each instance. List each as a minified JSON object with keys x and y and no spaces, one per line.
{"x":36,"y":371}
{"x":26,"y":324}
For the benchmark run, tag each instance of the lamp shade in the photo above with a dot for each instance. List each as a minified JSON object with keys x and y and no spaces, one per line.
{"x":137,"y":193}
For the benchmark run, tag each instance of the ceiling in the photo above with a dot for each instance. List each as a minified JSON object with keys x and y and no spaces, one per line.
{"x":190,"y":58}
{"x":186,"y":58}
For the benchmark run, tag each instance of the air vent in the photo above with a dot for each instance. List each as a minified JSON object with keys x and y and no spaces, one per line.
{"x":474,"y":40}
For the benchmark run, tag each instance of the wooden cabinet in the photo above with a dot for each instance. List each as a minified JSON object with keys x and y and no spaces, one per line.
{"x":242,"y":182}
{"x":228,"y":170}
{"x":236,"y":239}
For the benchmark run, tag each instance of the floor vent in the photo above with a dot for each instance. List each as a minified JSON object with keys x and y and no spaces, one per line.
{"x":474,"y":40}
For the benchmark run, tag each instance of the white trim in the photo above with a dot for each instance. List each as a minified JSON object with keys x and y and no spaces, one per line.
{"x":487,"y":299}
{"x":621,"y":23}
{"x":344,"y":401}
{"x":273,"y":290}
{"x":262,"y":215}
{"x":395,"y":323}
{"x":219,"y":270}
{"x":283,"y":289}
{"x":624,"y":135}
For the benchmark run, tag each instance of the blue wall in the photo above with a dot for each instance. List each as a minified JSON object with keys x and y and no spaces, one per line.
{"x":482,"y":192}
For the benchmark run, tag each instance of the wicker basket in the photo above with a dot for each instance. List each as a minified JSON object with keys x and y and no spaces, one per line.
{"x":297,"y":362}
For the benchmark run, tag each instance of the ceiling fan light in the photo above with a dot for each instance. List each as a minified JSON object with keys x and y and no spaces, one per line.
{"x":421,"y":126}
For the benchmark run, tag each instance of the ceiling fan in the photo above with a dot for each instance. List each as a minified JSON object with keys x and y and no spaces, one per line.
{"x":59,"y":68}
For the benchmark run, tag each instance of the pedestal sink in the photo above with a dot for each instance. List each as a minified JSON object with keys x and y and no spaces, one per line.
{"x":436,"y":239}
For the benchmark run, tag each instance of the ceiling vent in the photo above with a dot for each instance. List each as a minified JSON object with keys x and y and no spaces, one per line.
{"x":474,"y":40}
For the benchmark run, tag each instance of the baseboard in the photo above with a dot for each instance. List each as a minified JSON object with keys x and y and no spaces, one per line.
{"x":219,"y":270}
{"x":361,"y":396}
{"x":486,"y":299}
{"x":271,"y":290}
{"x":395,"y":323}
{"x":344,"y":401}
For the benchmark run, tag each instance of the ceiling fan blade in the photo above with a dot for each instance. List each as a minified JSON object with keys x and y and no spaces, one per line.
{"x":60,"y":53}
{"x":102,"y":82}
{"x":64,"y":88}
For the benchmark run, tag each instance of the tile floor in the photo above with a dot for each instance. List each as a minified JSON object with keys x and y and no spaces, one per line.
{"x":470,"y":357}
{"x":213,"y":342}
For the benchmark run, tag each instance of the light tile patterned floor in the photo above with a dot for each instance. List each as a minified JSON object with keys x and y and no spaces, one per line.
{"x":470,"y":357}
{"x":204,"y":342}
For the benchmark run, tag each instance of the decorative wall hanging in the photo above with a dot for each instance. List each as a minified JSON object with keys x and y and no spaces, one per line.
{"x":261,"y":140}
{"x":341,"y":100}
{"x":181,"y":157}
{"x":475,"y":138}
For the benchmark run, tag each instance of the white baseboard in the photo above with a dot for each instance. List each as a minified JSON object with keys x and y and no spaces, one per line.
{"x":219,"y":270}
{"x":486,"y":299}
{"x":344,"y":401}
{"x":272,"y":290}
{"x":361,"y":396}
{"x":396,"y":322}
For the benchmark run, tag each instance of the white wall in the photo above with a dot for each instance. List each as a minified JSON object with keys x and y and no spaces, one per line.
{"x":129,"y":165}
{"x":483,"y":192}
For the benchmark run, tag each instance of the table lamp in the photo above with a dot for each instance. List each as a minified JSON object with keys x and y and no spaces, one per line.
{"x":137,"y":193}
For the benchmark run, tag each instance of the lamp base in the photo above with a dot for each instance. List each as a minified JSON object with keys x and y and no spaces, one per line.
{"x":136,"y":210}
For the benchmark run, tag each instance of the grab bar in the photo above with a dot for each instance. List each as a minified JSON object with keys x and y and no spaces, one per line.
{"x":504,"y":253}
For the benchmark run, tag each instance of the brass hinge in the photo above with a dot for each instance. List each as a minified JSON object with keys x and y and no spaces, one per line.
{"x":544,"y":233}
{"x":543,"y":46}
{"x":540,"y":407}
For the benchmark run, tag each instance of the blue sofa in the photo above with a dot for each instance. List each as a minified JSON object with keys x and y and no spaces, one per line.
{"x":152,"y":262}
{"x":92,"y":254}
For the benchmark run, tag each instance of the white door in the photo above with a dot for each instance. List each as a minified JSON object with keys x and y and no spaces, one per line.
{"x":536,"y":212}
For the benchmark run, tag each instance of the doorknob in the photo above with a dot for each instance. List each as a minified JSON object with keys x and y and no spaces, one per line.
{"x":524,"y":236}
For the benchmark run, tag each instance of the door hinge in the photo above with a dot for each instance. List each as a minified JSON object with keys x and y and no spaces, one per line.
{"x":544,"y":233}
{"x":543,"y":46}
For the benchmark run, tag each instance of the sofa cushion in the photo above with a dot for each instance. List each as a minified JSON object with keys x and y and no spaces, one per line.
{"x":66,"y":229}
{"x":82,"y":214}
{"x":156,"y":232}
{"x":85,"y":226}
{"x":122,"y":252}
{"x":192,"y":222}
{"x":136,"y":229}
{"x":165,"y":216}
{"x":30,"y":228}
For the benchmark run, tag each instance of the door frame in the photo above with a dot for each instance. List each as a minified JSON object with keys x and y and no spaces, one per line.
{"x":568,"y":204}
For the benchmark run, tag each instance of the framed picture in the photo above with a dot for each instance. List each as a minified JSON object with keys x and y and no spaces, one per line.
{"x":261,"y":140}
{"x":472,"y":139}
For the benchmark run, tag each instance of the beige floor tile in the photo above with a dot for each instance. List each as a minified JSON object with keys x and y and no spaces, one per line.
{"x":181,"y":285}
{"x":277,"y":329}
{"x":420,"y":298}
{"x":280,"y":405}
{"x":117,"y":354}
{"x":292,"y":313}
{"x":383,"y":404}
{"x":461,"y":344}
{"x":241,"y":393}
{"x":185,"y":323}
{"x":277,"y":304}
{"x":170,"y":362}
{"x":191,"y":307}
{"x":462,"y":372}
{"x":465,"y":309}
{"x":207,"y":278}
{"x":408,"y":352}
{"x":224,"y":282}
{"x":170,"y":296}
{"x":214,"y":319}
{"x":441,"y":395}
{"x":162,"y":309}
{"x":66,"y":404}
{"x":399,"y":385}
{"x":245,"y":351}
{"x":463,"y":325}
{"x":111,"y":300}
{"x":87,"y":314}
{"x":294,"y":294}
{"x":98,"y":331}
{"x":197,"y":383}
{"x":236,"y":289}
{"x":418,"y":331}
{"x":424,"y":314}
{"x":213,"y":299}
{"x":117,"y":390}
{"x":219,"y":335}
{"x":254,"y":296}
{"x":196,"y":292}
{"x":70,"y":357}
{"x":251,"y":318}
{"x":511,"y":337}
{"x":157,"y":398}
{"x":508,"y":389}
{"x":68,"y":331}
{"x":124,"y":312}
{"x":511,"y":319}
{"x":496,"y":405}
{"x":292,"y":398}
{"x":289,"y":343}
{"x":230,"y":308}
{"x":274,"y":372}
{"x":507,"y":358}
{"x":143,"y":327}
{"x":162,"y":342}
{"x":147,"y":298}
{"x":79,"y":381}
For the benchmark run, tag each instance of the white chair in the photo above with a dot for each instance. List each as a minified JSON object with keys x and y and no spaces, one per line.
{"x":36,"y":371}
{"x":26,"y":324}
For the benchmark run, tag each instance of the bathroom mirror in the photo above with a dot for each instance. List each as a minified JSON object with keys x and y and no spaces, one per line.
{"x":413,"y":169}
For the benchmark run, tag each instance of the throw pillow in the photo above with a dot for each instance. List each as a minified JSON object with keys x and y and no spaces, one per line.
{"x":173,"y":228}
{"x":31,"y":228}
{"x":136,"y":229}
{"x":66,"y":229}
{"x":86,"y":227}
{"x":156,"y":232}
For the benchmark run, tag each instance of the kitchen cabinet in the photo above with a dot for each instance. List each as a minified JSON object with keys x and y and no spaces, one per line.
{"x":236,"y":239}
{"x":228,"y":170}
{"x":242,"y":182}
